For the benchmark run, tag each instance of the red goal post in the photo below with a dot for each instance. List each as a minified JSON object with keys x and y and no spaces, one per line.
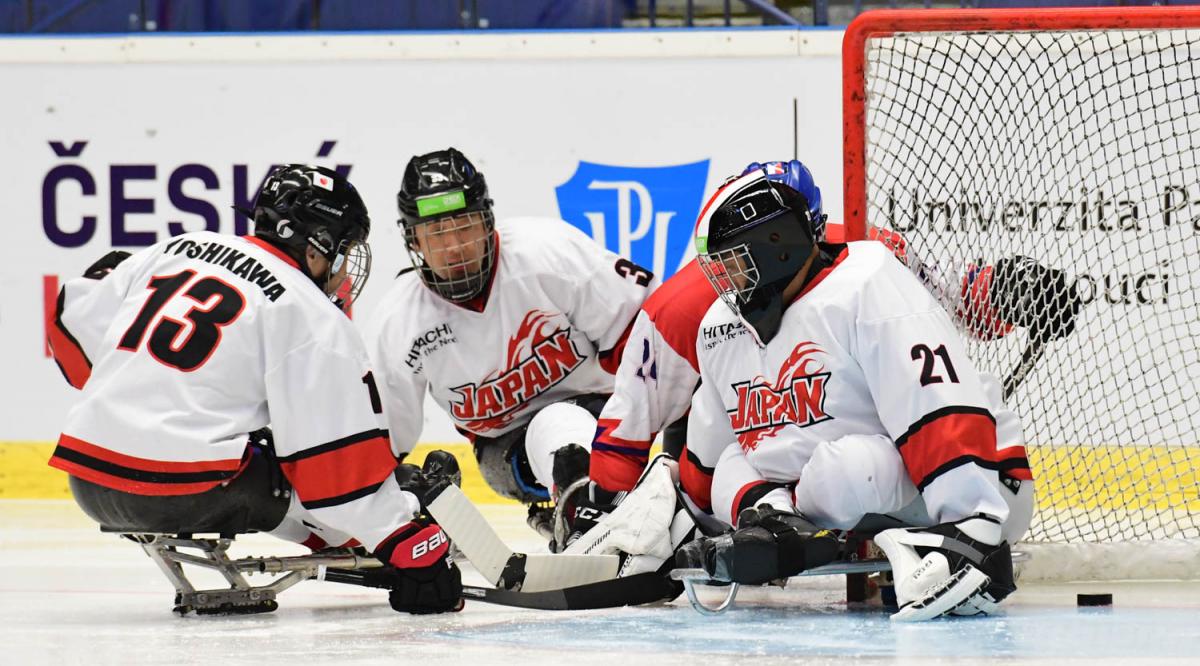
{"x":1072,"y":137}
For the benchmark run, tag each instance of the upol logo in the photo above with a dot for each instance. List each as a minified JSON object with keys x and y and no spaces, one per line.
{"x":627,"y":233}
{"x":642,"y":213}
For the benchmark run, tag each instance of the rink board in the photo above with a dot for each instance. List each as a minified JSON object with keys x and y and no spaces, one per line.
{"x":1114,"y":478}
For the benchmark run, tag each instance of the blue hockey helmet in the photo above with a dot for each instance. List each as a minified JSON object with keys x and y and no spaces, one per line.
{"x":796,"y":176}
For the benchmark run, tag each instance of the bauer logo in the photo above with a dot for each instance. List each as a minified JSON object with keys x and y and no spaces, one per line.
{"x":645,"y":214}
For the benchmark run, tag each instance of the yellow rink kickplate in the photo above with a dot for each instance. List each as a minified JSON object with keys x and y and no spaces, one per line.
{"x":1067,"y":477}
{"x":24,"y":473}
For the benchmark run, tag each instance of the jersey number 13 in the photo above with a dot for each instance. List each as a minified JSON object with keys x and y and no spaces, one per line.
{"x":217,"y":305}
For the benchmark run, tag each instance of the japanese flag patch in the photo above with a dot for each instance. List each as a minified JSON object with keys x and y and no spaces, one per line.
{"x":323,"y":181}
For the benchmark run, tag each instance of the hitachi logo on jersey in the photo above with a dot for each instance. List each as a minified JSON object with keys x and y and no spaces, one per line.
{"x":236,"y":262}
{"x":552,"y":359}
{"x":722,"y":330}
{"x":427,"y":343}
{"x":797,"y":398}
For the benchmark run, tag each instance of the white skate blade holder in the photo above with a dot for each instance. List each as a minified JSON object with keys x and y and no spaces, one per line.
{"x":943,"y":596}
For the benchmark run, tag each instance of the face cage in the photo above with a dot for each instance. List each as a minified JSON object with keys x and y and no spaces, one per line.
{"x":725,"y":269}
{"x":358,"y":256}
{"x":483,"y":253}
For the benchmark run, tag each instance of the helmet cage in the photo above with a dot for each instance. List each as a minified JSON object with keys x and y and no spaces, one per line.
{"x":462,"y":246}
{"x":733,"y":273}
{"x":754,"y":242}
{"x":357,"y":254}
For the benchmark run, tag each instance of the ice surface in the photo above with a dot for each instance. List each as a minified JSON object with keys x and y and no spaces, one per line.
{"x":71,"y":595}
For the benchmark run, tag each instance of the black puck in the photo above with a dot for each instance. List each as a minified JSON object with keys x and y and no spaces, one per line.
{"x":1093,"y":599}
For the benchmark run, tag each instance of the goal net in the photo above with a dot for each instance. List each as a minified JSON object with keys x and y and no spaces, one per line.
{"x":1071,"y":137}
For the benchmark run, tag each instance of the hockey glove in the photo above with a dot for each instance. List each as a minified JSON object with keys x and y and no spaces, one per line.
{"x":769,"y":544}
{"x":1041,"y":299}
{"x":440,"y":468}
{"x":105,"y":265}
{"x":425,"y":579}
{"x":586,"y":505}
{"x":580,"y":503}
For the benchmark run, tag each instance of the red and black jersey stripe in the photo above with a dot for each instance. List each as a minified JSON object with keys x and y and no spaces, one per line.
{"x":954,"y":436}
{"x":751,"y":493}
{"x":68,"y":354}
{"x":696,"y":479}
{"x":141,"y":476}
{"x":758,"y":488}
{"x":616,"y":463}
{"x":610,"y":359}
{"x":340,"y":471}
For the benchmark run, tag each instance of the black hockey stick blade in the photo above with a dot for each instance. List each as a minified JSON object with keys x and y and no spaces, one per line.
{"x":1029,"y":356}
{"x":643,"y":588}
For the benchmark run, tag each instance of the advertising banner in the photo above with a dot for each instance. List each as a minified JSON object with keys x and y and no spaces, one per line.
{"x":121,"y":143}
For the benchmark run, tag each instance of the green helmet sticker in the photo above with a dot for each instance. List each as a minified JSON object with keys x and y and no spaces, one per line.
{"x":701,"y":244}
{"x":438,"y":204}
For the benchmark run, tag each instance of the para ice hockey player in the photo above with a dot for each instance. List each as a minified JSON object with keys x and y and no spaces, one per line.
{"x":659,"y":370}
{"x":656,"y":379}
{"x":834,"y":385}
{"x":186,"y":351}
{"x":514,"y":327}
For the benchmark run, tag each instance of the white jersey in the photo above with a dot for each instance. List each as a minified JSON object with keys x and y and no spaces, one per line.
{"x":550,"y":326}
{"x":658,"y":374}
{"x":190,"y":345}
{"x":655,"y":381}
{"x":863,"y":350}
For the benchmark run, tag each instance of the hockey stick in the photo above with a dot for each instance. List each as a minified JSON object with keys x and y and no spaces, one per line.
{"x":643,"y":588}
{"x":1029,"y":357}
{"x":503,"y":567}
{"x":1054,"y":315}
{"x":635,"y":590}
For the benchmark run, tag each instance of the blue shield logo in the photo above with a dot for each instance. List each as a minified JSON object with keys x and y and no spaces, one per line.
{"x":645,"y":214}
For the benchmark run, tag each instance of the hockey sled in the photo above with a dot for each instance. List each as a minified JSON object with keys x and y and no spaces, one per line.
{"x":855,"y":570}
{"x":693,"y":577}
{"x":172,"y":552}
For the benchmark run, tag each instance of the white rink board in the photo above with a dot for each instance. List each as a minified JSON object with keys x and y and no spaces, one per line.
{"x":181,"y":126}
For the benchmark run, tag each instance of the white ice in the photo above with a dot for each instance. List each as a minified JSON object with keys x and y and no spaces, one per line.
{"x":71,"y":595}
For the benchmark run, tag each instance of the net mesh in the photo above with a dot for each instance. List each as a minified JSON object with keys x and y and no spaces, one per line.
{"x":1078,"y":150}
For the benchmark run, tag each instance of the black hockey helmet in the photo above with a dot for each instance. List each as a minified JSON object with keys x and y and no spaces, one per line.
{"x":303,"y":206}
{"x":752,"y":238}
{"x":444,"y":189}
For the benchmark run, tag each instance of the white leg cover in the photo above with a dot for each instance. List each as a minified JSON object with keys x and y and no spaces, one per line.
{"x":298,"y":524}
{"x":734,"y":473}
{"x":646,"y":525}
{"x":553,"y":427}
{"x":850,"y":477}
